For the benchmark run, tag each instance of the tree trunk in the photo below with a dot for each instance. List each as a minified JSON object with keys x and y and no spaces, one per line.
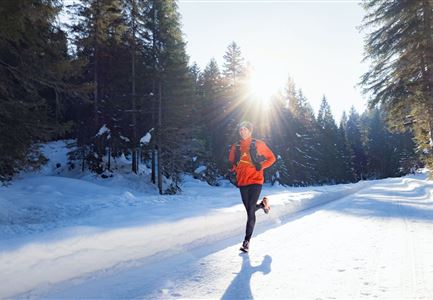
{"x":57,"y":106}
{"x":155,"y":150}
{"x":109,"y":158}
{"x":428,"y":73}
{"x":159,"y":139}
{"x":83,"y":159}
{"x":153,"y":165}
{"x":134,"y":141}
{"x":95,"y":70}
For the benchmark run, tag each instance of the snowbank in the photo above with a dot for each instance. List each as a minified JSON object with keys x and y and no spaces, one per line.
{"x":73,"y":220}
{"x":49,"y":223}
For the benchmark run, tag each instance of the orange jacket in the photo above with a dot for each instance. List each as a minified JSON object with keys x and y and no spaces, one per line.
{"x":246,"y":172}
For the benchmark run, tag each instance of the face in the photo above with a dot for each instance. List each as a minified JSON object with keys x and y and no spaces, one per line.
{"x":244,"y":133}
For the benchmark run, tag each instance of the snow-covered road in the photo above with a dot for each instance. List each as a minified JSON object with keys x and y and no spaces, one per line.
{"x":375,"y":243}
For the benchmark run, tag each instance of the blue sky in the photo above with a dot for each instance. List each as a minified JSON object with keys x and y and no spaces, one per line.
{"x":317,"y":43}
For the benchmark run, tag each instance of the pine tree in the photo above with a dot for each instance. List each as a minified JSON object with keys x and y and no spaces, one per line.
{"x":212,"y":100}
{"x":133,"y":41}
{"x":234,"y":108}
{"x":347,"y":174}
{"x":400,"y":48}
{"x":388,"y":154}
{"x":280,"y":137}
{"x":178,"y":101}
{"x":303,"y":149}
{"x":138,"y":84}
{"x":354,"y":140}
{"x":34,"y":71}
{"x":234,"y":67}
{"x":97,"y":32}
{"x":330,"y":164}
{"x":377,"y":146}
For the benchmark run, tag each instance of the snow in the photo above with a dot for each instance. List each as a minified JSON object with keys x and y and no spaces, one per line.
{"x":104,"y":129}
{"x":64,"y":234}
{"x":200,"y":169}
{"x":125,"y":138}
{"x":146,"y":139}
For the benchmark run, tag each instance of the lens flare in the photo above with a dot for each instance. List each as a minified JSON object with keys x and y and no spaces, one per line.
{"x":262,"y":85}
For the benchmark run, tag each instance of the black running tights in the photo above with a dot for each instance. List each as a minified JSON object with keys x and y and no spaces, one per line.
{"x":250,"y":195}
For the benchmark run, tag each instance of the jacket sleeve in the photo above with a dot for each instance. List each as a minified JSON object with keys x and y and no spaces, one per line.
{"x":232,"y":155}
{"x":264,"y":150}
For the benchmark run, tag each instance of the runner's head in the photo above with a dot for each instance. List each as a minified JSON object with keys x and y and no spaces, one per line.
{"x":245,"y":129}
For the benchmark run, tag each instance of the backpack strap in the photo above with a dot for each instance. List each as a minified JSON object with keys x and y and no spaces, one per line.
{"x":253,"y":151}
{"x":255,"y":157}
{"x":237,"y":153}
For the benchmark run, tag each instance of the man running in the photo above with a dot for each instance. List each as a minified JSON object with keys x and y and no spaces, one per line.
{"x":249,"y":157}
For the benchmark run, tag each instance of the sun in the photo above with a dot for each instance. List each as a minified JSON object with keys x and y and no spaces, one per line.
{"x":262,"y":85}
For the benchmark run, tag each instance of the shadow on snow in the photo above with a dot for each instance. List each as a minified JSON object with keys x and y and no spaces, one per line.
{"x":240,"y":287}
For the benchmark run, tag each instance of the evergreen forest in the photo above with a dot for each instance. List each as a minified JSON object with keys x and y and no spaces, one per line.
{"x":116,"y":79}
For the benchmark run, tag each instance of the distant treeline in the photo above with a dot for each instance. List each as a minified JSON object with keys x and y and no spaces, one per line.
{"x":118,"y":71}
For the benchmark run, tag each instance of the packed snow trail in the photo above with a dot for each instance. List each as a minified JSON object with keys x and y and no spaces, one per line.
{"x":375,"y":243}
{"x":65,"y":228}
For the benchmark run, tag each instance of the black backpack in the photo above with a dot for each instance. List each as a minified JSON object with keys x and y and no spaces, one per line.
{"x":255,"y":157}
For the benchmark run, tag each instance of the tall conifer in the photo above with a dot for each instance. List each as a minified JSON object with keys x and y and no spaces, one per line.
{"x":399,"y":46}
{"x":34,"y":69}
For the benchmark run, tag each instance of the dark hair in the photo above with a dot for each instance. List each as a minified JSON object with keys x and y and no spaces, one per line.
{"x":246,"y":124}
